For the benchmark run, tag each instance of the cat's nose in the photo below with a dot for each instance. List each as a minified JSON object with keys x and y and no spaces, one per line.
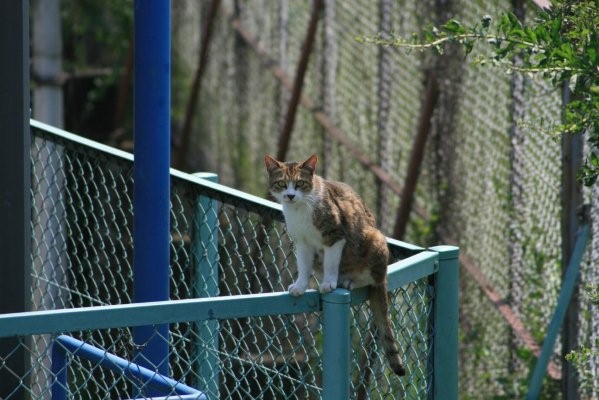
{"x":290,"y":196}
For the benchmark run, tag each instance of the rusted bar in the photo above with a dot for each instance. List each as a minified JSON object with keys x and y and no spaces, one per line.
{"x":383,"y":95}
{"x":298,"y":83}
{"x":195,"y":88}
{"x":426,"y":113}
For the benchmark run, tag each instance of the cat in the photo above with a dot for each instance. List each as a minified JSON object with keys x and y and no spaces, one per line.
{"x":328,"y":217}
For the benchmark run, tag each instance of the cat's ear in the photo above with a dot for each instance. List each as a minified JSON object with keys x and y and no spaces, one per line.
{"x":271,"y":163}
{"x":310,"y":163}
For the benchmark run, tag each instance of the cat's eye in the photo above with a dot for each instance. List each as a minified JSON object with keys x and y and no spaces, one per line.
{"x":281,"y":184}
{"x":300,"y":184}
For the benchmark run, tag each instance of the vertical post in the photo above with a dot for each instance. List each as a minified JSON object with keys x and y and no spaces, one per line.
{"x":49,"y":210}
{"x":15,"y":181}
{"x":445,"y":324}
{"x":205,"y":256}
{"x":572,"y":202}
{"x":151,"y":197}
{"x":335,"y":361}
{"x":384,"y":73}
{"x":59,"y":387}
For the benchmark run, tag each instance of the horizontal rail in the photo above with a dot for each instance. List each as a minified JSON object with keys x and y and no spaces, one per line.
{"x":137,"y":314}
{"x":412,"y":269}
{"x":64,"y":343}
{"x":240,"y":306}
{"x":403,"y":272}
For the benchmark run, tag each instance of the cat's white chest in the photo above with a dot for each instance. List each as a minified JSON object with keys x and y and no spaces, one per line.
{"x":298,"y":219}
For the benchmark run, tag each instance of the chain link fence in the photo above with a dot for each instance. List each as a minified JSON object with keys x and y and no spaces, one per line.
{"x":223,"y":243}
{"x":490,"y":181}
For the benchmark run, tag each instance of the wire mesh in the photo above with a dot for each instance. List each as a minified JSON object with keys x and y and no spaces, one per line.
{"x":490,"y":180}
{"x":222,"y":244}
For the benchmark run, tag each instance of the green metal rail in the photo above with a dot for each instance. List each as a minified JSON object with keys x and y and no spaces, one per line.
{"x":440,"y":263}
{"x":233,"y":330}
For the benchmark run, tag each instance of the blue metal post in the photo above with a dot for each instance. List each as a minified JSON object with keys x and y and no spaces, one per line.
{"x":59,"y":388}
{"x":151,"y":198}
{"x":205,"y":254}
{"x":445,"y":324}
{"x":565,"y":295}
{"x":335,"y":360}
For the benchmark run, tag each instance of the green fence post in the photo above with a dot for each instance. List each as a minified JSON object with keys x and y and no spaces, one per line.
{"x":205,"y":256}
{"x":445,"y":324}
{"x":335,"y":360}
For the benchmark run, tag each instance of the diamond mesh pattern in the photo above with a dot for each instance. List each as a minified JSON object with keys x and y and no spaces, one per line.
{"x":221,"y":245}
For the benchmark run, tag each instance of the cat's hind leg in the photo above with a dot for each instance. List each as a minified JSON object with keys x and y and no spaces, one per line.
{"x":346,"y":282}
{"x":332,"y":258}
{"x":355,"y":279}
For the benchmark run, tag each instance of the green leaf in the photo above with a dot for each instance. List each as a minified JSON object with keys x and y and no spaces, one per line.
{"x":454,"y":26}
{"x":468,"y":46}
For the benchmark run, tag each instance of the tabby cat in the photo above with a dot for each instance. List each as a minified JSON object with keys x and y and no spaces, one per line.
{"x":328,"y":220}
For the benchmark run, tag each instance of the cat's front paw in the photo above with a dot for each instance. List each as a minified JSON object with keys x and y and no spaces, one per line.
{"x":297,"y":289}
{"x":327,"y":287}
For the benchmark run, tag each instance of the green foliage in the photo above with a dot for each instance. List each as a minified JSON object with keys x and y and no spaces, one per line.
{"x":96,"y":34}
{"x":560,"y":43}
{"x":582,"y":358}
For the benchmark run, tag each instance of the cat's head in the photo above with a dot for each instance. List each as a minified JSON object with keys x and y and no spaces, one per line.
{"x":290,"y":182}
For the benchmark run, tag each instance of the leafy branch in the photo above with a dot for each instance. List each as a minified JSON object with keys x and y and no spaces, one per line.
{"x":561,"y":44}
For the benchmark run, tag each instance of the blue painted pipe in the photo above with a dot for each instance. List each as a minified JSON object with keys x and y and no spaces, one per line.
{"x":151,"y":197}
{"x":63,"y":344}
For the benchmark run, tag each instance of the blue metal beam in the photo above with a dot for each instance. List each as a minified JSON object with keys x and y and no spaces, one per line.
{"x":151,"y":198}
{"x":63,"y":344}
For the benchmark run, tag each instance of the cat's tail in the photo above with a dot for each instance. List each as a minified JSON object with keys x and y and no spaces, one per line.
{"x":379,"y":304}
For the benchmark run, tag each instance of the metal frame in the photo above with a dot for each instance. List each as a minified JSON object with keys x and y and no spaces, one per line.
{"x":439,"y":263}
{"x":15,"y":179}
{"x":64,"y":344}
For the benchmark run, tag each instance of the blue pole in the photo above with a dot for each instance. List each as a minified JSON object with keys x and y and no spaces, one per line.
{"x":563,"y":300}
{"x":151,"y":197}
{"x":59,"y":388}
